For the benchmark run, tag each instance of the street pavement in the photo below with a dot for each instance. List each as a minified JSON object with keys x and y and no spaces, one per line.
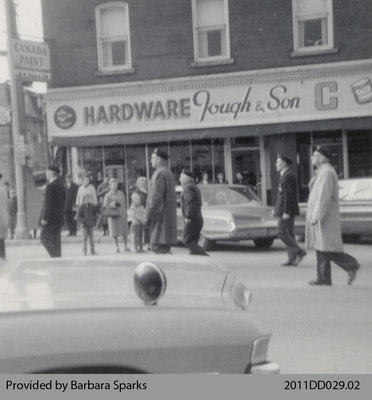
{"x":316,"y":330}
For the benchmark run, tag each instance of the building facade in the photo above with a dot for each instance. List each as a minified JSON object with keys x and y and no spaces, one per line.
{"x":222,"y":85}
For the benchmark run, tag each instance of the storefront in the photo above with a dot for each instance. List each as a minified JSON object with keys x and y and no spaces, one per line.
{"x":225,"y":122}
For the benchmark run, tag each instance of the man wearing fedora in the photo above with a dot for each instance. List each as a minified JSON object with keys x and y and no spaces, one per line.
{"x":286,"y":208}
{"x":191,"y":210}
{"x":161,"y":214}
{"x":52,"y":214}
{"x":323,"y":226}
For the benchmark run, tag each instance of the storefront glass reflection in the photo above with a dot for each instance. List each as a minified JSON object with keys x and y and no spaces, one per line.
{"x":90,"y":164}
{"x":179,"y":158}
{"x":115,"y":165}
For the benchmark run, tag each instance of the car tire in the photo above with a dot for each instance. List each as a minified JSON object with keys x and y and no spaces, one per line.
{"x":263,"y":243}
{"x":206,"y":244}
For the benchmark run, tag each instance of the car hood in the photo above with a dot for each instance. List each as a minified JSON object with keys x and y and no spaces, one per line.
{"x":101,"y":282}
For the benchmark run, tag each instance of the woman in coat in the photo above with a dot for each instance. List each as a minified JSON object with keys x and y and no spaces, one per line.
{"x":323,"y":225}
{"x":118,"y":225}
{"x":141,"y":189}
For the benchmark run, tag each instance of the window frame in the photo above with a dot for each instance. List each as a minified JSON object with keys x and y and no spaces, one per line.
{"x":296,"y":19}
{"x":128,"y":65}
{"x":196,"y":29}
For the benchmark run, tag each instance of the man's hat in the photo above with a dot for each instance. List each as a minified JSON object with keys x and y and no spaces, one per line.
{"x":53,"y":168}
{"x":187,"y":172}
{"x":161,"y":153}
{"x":285,"y":158}
{"x":326,"y":152}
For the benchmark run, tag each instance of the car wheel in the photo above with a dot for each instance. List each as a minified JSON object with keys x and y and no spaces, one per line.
{"x":263,"y":243}
{"x":205,"y":243}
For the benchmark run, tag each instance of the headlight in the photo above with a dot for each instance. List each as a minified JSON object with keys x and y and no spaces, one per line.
{"x":259,"y":351}
{"x":232,"y":226}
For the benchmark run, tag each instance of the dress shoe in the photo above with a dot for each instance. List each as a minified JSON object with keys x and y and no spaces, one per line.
{"x":289,"y":264}
{"x":317,"y":282}
{"x":352,"y":276}
{"x":300,"y":256}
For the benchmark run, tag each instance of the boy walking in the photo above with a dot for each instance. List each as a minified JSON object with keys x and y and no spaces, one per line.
{"x":137,"y":214}
{"x":86,"y":214}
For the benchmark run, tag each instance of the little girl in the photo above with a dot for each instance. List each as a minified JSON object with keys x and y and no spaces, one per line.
{"x":137,"y":215}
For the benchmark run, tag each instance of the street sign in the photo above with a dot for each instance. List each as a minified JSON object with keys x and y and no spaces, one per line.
{"x":19,"y":150}
{"x":4,"y":116}
{"x":31,"y":60}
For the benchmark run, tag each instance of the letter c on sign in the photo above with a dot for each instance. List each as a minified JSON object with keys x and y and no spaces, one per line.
{"x":320,"y":103}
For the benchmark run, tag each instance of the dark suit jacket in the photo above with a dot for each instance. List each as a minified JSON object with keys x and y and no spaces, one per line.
{"x":71,"y":194}
{"x":286,"y":201}
{"x":191,"y":201}
{"x":54,"y":203}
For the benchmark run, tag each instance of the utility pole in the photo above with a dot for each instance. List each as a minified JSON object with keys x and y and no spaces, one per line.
{"x":16,"y":90}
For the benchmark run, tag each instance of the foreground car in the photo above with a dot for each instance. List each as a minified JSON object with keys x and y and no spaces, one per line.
{"x":232,"y":212}
{"x":355,"y":209}
{"x":83,"y":315}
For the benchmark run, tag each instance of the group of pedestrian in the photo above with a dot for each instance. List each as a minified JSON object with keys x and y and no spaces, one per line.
{"x":323,"y":226}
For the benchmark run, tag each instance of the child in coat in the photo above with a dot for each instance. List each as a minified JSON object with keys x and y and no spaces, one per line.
{"x":137,"y":215}
{"x":86,"y":215}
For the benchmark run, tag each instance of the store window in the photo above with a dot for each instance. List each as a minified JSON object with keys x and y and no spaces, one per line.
{"x":179,"y":158}
{"x":114,"y":159}
{"x":113,"y":36}
{"x":90,"y":164}
{"x":136,"y":165}
{"x":360,"y":153}
{"x":312,"y":25}
{"x":211,"y":30}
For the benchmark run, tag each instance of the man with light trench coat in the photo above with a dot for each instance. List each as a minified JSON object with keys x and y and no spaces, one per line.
{"x":161,"y":213}
{"x":323,"y":225}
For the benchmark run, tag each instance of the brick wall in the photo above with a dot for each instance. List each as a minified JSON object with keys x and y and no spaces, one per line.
{"x":162,"y":43}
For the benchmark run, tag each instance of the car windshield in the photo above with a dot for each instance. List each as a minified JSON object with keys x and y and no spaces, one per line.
{"x":228,"y":195}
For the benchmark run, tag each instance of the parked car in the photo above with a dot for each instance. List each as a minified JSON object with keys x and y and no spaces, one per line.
{"x":232,"y":212}
{"x":106,"y":315}
{"x":355,"y":209}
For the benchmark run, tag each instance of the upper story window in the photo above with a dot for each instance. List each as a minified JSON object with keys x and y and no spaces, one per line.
{"x":211,"y":30}
{"x":312,"y":25}
{"x":113,"y":37}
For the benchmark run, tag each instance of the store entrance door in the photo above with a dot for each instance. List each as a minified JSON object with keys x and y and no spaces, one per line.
{"x":247,"y":162}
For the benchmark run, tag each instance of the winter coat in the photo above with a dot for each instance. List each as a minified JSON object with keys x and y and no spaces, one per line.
{"x":286,"y":202}
{"x":82,"y":191}
{"x":323,"y":205}
{"x":161,"y":208}
{"x":87,"y":215}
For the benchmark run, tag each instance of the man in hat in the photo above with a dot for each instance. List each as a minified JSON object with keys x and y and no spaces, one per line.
{"x":323,"y":226}
{"x":52,"y":213}
{"x":286,"y":208}
{"x":161,"y":207}
{"x":191,"y":210}
{"x":71,"y":190}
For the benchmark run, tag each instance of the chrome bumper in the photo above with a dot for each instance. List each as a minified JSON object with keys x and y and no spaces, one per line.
{"x":267,"y":368}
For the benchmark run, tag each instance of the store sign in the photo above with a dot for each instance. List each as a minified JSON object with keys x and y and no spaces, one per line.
{"x":211,"y":104}
{"x":31,"y":60}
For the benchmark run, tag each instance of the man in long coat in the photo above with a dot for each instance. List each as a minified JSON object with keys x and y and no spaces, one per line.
{"x":191,"y":210}
{"x":286,"y":209}
{"x":70,"y":200}
{"x":161,"y":206}
{"x":323,"y":225}
{"x":52,"y":213}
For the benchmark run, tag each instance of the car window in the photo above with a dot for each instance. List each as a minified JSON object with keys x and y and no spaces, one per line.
{"x":344,"y":189}
{"x":362,"y":191}
{"x":220,"y":196}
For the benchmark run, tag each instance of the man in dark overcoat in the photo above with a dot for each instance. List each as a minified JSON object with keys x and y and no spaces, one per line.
{"x":52,"y":218}
{"x":191,"y":203}
{"x":161,"y":212}
{"x":286,"y":208}
{"x":70,"y":200}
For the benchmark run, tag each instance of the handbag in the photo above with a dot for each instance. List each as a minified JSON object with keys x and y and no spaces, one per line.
{"x":113,"y":212}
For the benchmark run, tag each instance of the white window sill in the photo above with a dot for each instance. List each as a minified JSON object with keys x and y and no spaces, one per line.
{"x":300,"y":53}
{"x":210,"y":63}
{"x":114,"y":72}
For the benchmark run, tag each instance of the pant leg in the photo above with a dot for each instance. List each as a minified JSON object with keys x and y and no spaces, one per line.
{"x":343,"y":260}
{"x":140,"y":236}
{"x":323,"y":267}
{"x":91,"y":239}
{"x":2,"y":248}
{"x":191,"y":235}
{"x":85,"y":239}
{"x":286,"y":235}
{"x":160,"y":248}
{"x":57,"y":241}
{"x":51,"y":239}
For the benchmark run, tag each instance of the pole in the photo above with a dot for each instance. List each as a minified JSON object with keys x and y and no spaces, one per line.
{"x":15,"y":88}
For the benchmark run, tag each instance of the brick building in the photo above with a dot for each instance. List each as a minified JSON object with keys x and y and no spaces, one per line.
{"x":223,"y":85}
